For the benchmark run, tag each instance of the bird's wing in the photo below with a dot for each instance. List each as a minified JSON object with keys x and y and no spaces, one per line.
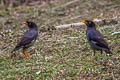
{"x":26,"y":39}
{"x":99,"y":41}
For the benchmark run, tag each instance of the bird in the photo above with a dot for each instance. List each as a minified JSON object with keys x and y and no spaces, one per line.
{"x":28,"y":38}
{"x":95,"y":38}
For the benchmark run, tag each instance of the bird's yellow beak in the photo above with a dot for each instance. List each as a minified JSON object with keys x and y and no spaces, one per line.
{"x":84,"y":21}
{"x":24,"y":22}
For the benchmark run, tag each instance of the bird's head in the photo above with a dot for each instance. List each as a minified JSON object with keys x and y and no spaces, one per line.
{"x":89,"y":23}
{"x":30,"y":24}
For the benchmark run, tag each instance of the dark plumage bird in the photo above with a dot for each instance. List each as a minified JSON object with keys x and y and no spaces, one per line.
{"x":28,"y":38}
{"x":95,"y":39}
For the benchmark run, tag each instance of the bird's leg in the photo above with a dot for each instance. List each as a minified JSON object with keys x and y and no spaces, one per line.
{"x":94,"y":54}
{"x":101,"y":52}
{"x":25,"y":54}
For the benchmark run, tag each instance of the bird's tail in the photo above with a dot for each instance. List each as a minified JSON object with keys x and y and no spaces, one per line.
{"x":15,"y":49}
{"x":108,"y":52}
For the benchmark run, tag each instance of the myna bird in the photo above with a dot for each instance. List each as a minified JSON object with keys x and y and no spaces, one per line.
{"x":96,"y":39}
{"x":28,"y":38}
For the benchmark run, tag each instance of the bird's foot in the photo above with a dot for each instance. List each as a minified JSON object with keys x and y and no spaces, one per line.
{"x":94,"y":56}
{"x":26,"y":55}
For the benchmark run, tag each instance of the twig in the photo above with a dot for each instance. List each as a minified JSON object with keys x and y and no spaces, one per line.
{"x":79,"y":24}
{"x":65,"y":26}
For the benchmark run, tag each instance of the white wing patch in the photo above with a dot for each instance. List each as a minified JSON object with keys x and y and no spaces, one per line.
{"x":94,"y":42}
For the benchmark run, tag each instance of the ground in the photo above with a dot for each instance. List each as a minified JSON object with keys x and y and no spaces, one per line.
{"x":60,"y":54}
